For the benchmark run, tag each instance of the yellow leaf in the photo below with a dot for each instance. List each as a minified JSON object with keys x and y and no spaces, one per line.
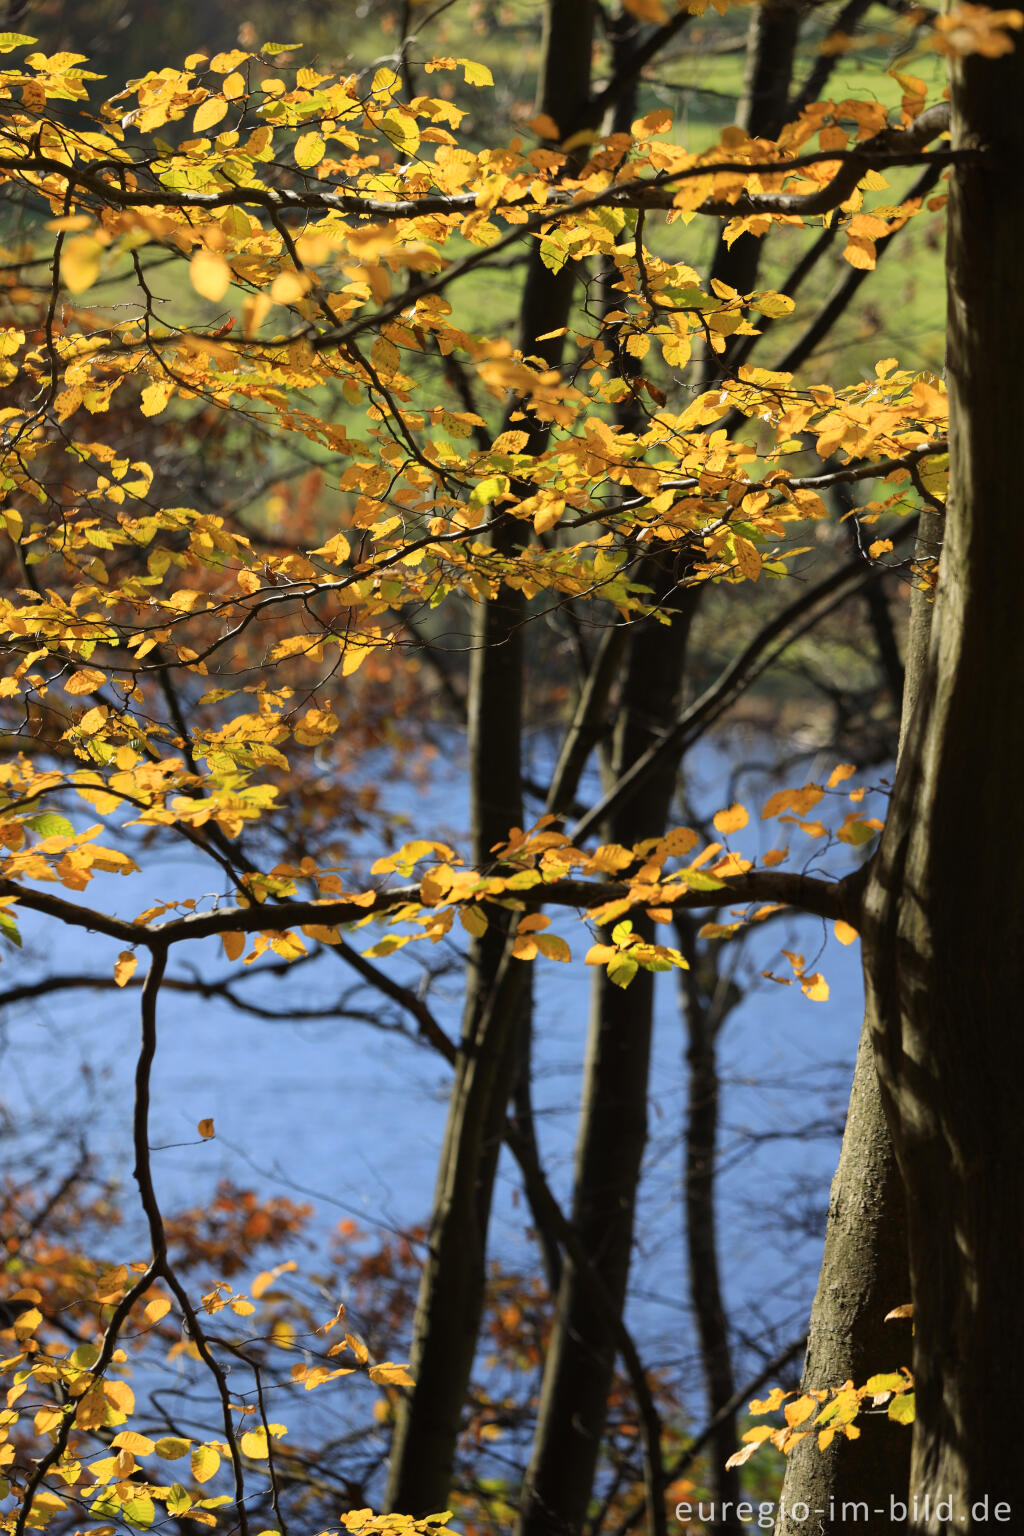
{"x":85,"y":680}
{"x":548,"y":514}
{"x":800,"y":1410}
{"x":234,"y":86}
{"x":213,"y":109}
{"x":205,"y":1461}
{"x":389,"y":1375}
{"x":254,"y":1444}
{"x":80,"y":263}
{"x":544,"y":126}
{"x":120,"y":1395}
{"x":901,"y":1409}
{"x":731,"y":820}
{"x":476,"y":74}
{"x":748,"y":557}
{"x":125,"y":968}
{"x":288,"y":286}
{"x":815,"y":988}
{"x":600,"y":954}
{"x":130,"y":1440}
{"x":844,"y":933}
{"x":266,"y":1278}
{"x":210,"y":275}
{"x":221,"y":63}
{"x":473,"y":920}
{"x":205,"y":1129}
{"x":171,"y":1448}
{"x":839,"y":773}
{"x":156,"y":1309}
{"x":156,"y":395}
{"x":309,"y":150}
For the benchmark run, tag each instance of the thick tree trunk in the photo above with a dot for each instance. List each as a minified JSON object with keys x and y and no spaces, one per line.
{"x":863,"y":1276}
{"x":865,"y":1269}
{"x":943,"y":958}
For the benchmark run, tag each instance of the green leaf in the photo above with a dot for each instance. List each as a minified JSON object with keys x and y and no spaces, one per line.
{"x":901,"y":1409}
{"x":696,"y":880}
{"x":486,"y":491}
{"x":621,"y":970}
{"x":179,"y":1501}
{"x":9,"y":929}
{"x":49,"y":824}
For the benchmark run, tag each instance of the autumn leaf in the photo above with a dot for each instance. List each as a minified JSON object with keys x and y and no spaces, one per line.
{"x":210,"y":275}
{"x":734,"y":819}
{"x":205,"y":1129}
{"x":234,"y":944}
{"x":389,"y":1375}
{"x":125,"y":967}
{"x":80,"y":263}
{"x":204,"y":1462}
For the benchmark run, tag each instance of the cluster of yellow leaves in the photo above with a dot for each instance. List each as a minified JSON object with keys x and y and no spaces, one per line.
{"x":117,"y":1486}
{"x":828,"y":1413}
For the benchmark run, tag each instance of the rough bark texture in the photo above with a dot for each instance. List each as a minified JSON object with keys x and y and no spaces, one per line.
{"x":943,"y":958}
{"x":865,"y":1269}
{"x":863,"y":1276}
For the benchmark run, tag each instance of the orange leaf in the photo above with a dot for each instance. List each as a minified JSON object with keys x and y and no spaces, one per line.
{"x":125,"y":968}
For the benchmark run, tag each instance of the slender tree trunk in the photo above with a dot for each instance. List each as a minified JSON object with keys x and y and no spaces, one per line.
{"x":612,"y":1138}
{"x":705,"y":1009}
{"x":450,"y":1302}
{"x":865,"y":1270}
{"x":772,"y":38}
{"x":943,"y":959}
{"x":452,"y":1285}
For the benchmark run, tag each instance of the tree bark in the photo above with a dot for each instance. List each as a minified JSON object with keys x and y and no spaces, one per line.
{"x":865,"y":1269}
{"x":707,"y":1000}
{"x":943,"y":959}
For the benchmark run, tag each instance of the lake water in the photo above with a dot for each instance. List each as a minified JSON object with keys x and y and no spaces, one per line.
{"x":351,"y":1118}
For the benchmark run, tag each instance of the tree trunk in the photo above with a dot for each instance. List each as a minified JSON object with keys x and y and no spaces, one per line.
{"x":865,"y":1271}
{"x":612,"y":1138}
{"x":943,"y":959}
{"x":863,"y":1276}
{"x":707,"y":1000}
{"x":450,"y":1302}
{"x":451,"y":1293}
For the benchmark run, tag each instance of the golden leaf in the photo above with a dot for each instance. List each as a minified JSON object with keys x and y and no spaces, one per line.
{"x":125,"y":967}
{"x":731,"y":820}
{"x":210,"y":275}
